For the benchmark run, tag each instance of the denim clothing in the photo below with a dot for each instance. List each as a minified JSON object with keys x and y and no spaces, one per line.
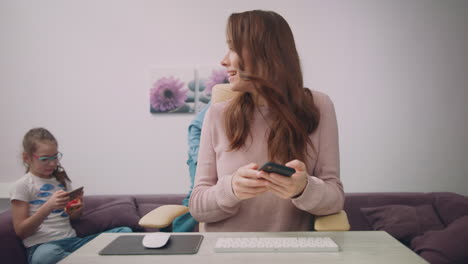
{"x":185,"y":222}
{"x":54,"y":251}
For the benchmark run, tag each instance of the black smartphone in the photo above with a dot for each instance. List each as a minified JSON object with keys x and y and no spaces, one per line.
{"x":75,"y":193}
{"x":272,"y":167}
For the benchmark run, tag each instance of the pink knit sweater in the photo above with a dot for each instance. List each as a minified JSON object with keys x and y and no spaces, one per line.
{"x":214,"y":203}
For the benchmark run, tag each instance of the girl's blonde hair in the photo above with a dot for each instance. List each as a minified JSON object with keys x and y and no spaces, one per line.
{"x":30,"y":146}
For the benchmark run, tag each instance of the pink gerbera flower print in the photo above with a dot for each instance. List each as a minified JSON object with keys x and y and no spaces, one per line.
{"x":217,"y":76}
{"x":167,"y":94}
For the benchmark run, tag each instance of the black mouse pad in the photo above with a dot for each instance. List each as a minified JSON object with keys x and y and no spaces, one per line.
{"x":132,"y":245}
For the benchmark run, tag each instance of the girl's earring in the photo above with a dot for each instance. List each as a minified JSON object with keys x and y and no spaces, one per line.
{"x":59,"y":168}
{"x":26,"y":165}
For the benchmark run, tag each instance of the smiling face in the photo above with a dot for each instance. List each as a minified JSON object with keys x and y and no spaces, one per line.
{"x":42,"y":167}
{"x":232,"y":62}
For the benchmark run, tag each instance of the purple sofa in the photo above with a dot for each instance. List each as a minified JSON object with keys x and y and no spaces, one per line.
{"x":434,"y":225}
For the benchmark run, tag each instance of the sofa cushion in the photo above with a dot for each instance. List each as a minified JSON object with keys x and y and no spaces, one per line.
{"x":444,"y":246}
{"x":355,"y":201}
{"x":101,"y":213}
{"x":451,"y":206}
{"x":403,"y":222}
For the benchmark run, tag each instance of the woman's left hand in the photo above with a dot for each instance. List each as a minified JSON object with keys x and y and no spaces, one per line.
{"x":287,"y":187}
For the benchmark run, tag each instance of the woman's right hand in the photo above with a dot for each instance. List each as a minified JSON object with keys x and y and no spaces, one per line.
{"x":58,"y":200}
{"x":246,"y":183}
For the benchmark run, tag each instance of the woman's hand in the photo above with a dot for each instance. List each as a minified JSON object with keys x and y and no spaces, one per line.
{"x":246,"y":183}
{"x":58,"y":200}
{"x":287,"y":187}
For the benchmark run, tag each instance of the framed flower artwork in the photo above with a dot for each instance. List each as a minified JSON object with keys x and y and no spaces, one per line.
{"x":183,"y":90}
{"x":208,"y":77}
{"x":169,"y":92}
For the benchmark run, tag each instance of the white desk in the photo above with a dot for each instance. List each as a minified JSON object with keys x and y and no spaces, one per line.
{"x":356,"y":247}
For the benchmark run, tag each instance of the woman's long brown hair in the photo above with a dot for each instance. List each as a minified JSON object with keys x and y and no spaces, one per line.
{"x":276,"y":73}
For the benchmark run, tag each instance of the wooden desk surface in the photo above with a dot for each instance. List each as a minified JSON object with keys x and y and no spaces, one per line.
{"x":356,"y":247}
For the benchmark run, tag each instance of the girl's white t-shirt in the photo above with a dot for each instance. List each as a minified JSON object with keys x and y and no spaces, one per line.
{"x":36,"y":191}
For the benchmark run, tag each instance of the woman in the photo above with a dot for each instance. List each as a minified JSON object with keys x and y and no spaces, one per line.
{"x":273,"y":119}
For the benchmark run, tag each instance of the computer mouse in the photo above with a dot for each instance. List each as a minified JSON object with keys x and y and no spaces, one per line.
{"x":155,"y":240}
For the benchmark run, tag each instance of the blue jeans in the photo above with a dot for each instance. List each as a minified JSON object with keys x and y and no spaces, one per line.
{"x":185,"y":222}
{"x":54,"y":251}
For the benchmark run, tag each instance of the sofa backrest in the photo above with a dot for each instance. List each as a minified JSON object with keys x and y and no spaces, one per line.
{"x":102,"y":212}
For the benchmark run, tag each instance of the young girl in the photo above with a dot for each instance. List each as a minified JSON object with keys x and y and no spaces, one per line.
{"x":38,"y":200}
{"x":274,"y":118}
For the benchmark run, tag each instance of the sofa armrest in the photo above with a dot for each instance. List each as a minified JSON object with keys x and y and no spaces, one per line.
{"x":222,"y":92}
{"x":11,"y":246}
{"x":162,"y":216}
{"x":333,"y":222}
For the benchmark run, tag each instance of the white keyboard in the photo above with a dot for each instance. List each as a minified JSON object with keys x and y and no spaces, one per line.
{"x":275,"y":244}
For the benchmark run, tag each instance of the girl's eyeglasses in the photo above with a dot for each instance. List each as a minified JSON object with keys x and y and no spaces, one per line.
{"x":45,"y":159}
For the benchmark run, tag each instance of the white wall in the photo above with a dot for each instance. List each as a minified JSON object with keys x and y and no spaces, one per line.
{"x":396,"y":70}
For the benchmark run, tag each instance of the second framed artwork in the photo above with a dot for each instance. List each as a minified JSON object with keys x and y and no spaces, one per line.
{"x":183,"y":89}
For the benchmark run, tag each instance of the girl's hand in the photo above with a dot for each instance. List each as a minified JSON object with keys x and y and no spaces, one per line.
{"x":287,"y":187}
{"x":74,"y":208}
{"x":58,"y":200}
{"x":246,"y":183}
